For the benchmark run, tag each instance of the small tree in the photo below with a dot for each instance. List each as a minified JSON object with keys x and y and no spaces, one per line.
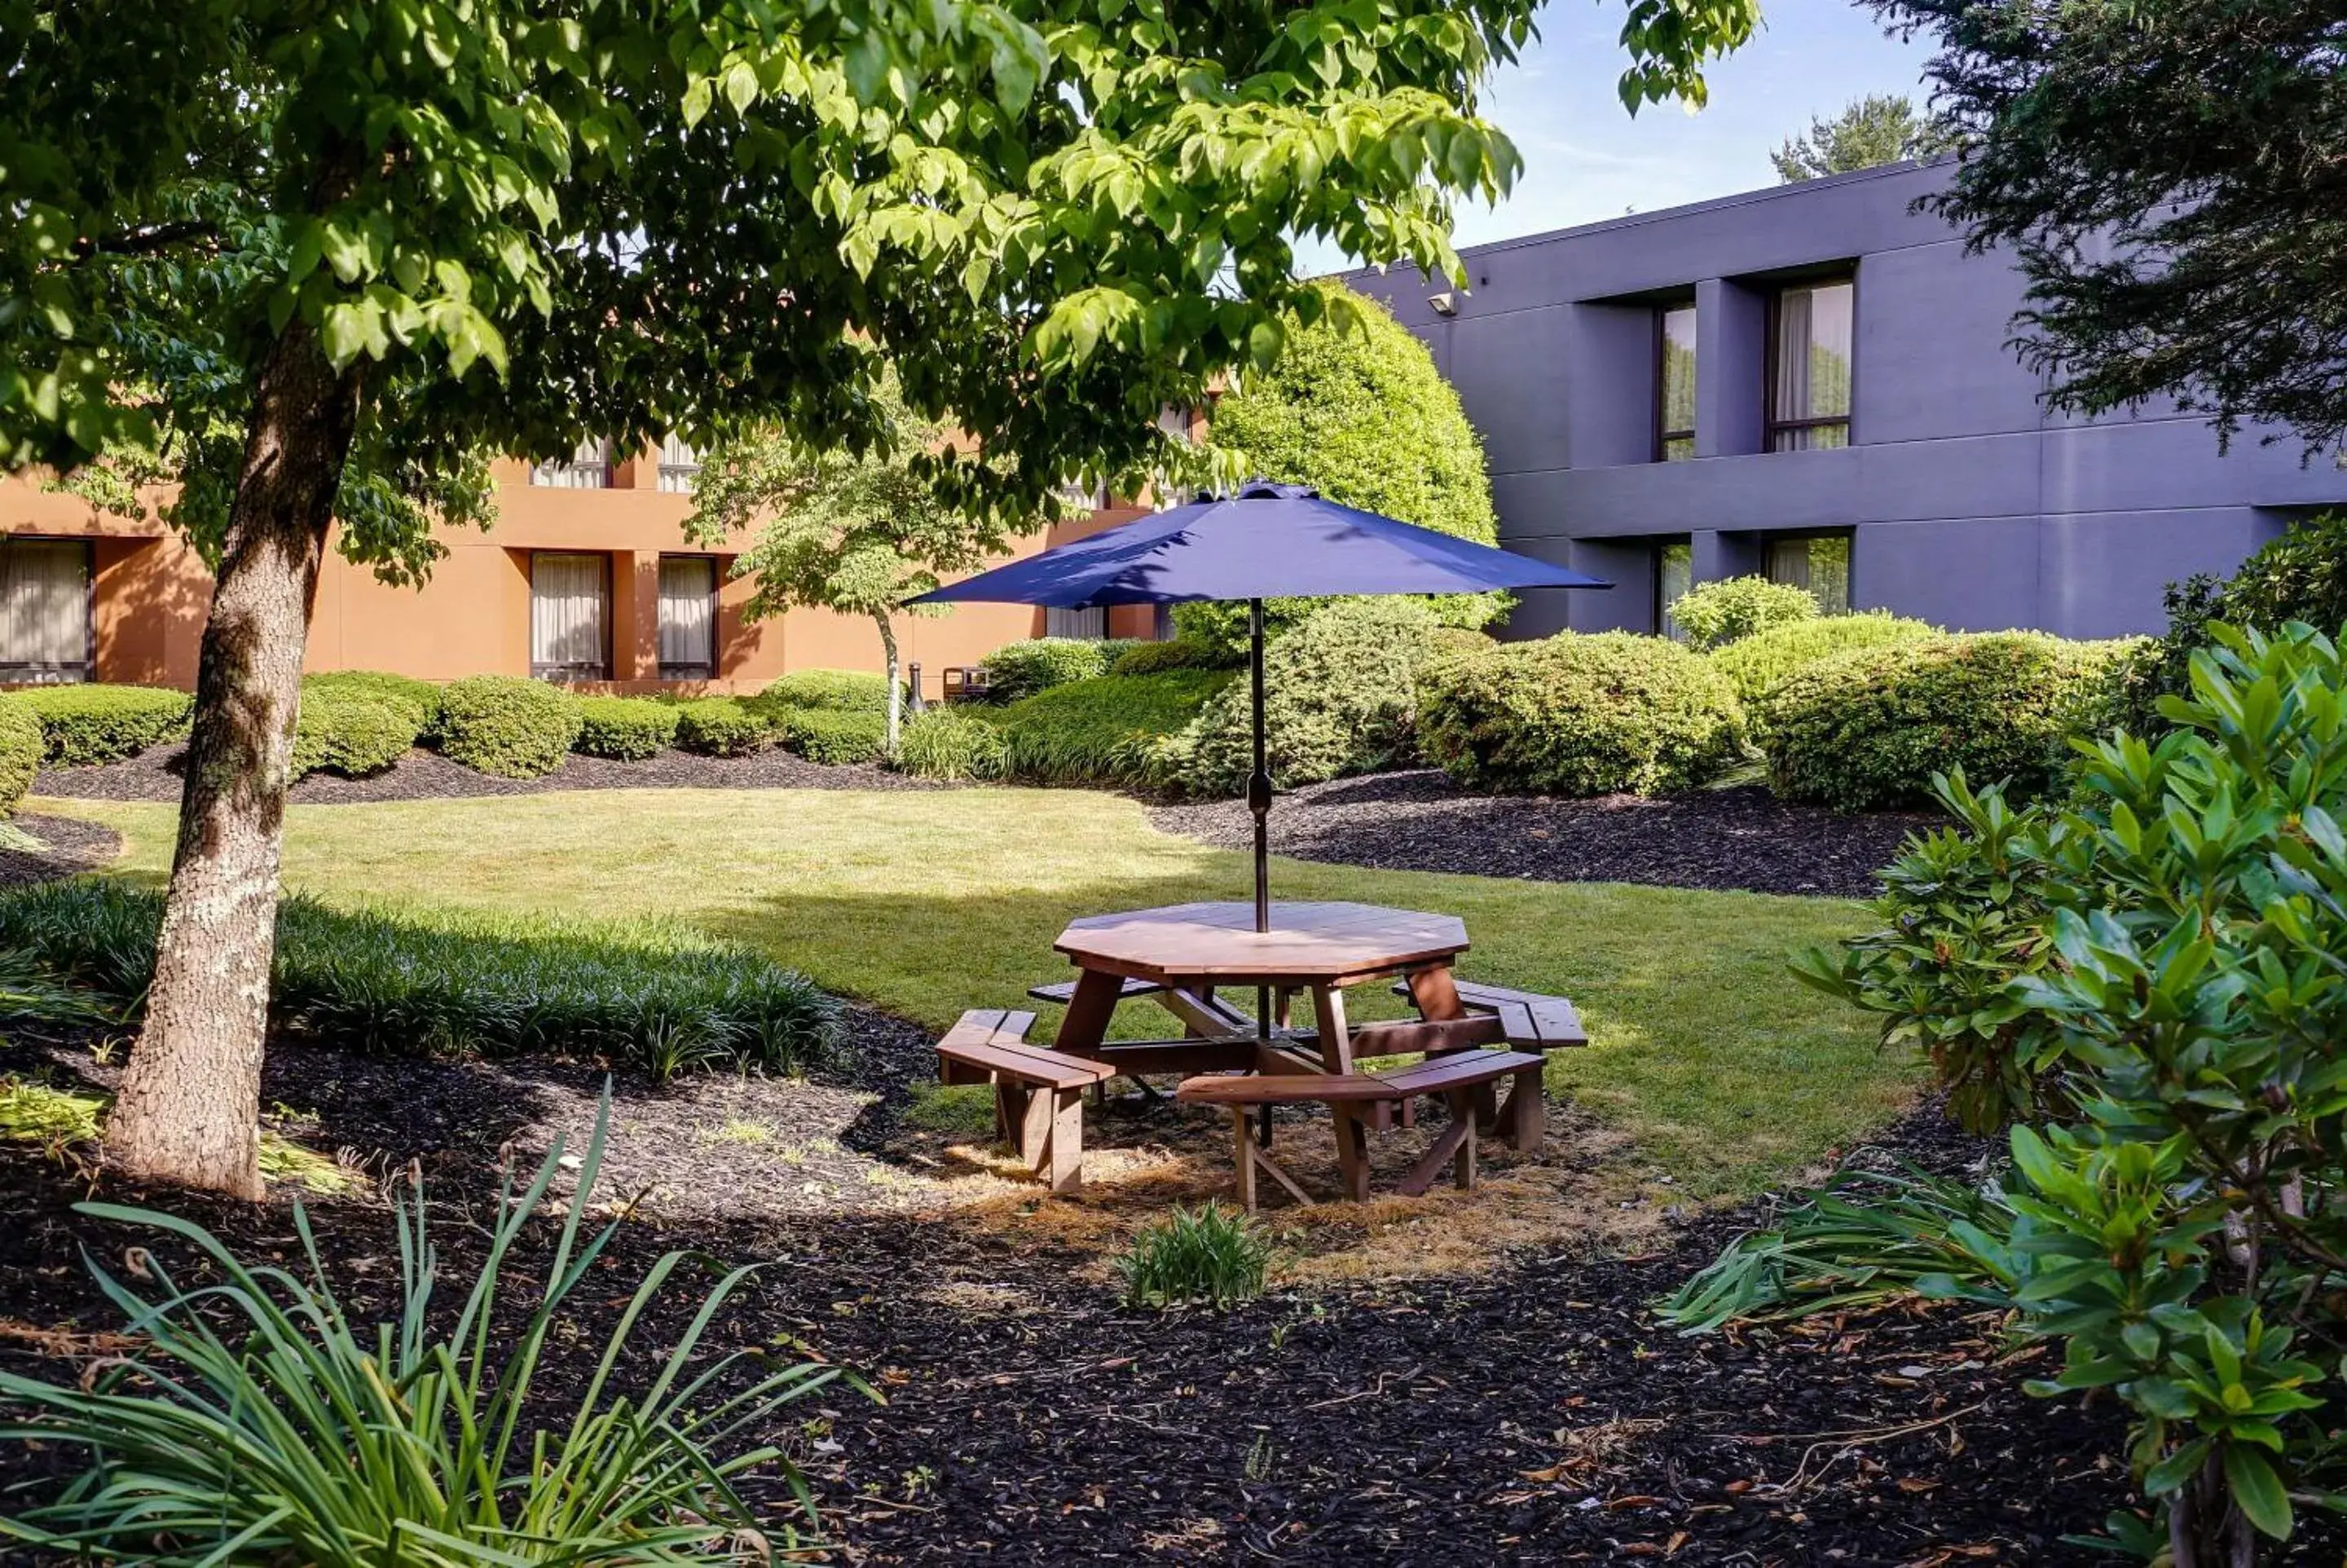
{"x":1879,"y":128}
{"x":858,"y":532}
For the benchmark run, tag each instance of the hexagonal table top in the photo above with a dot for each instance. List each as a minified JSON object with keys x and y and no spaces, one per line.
{"x":1307,"y":943}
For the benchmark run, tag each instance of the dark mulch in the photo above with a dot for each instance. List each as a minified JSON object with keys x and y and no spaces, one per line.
{"x":156,"y":774}
{"x":1741,"y":837}
{"x":67,"y":846}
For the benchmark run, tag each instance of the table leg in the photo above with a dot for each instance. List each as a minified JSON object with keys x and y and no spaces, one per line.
{"x":1336,"y":1039}
{"x":1084,"y":1027}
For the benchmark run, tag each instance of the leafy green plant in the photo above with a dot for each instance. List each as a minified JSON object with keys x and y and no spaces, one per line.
{"x":629,"y":729}
{"x":1715,"y":614}
{"x":1210,"y":1255}
{"x":505,"y":726}
{"x":31,"y":992}
{"x":955,"y":743}
{"x":833,"y":736}
{"x":1019,"y":670}
{"x":1577,"y":714}
{"x":1110,"y":731}
{"x":420,"y":700}
{"x":1758,"y":660}
{"x":21,"y":745}
{"x":1175,"y":653}
{"x":853,"y":691}
{"x":349,"y":732}
{"x":85,"y":725}
{"x":265,"y":1421}
{"x":721,"y":727}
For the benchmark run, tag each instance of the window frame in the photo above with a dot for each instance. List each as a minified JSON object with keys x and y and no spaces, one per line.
{"x":1662,"y":546}
{"x":1771,"y":426}
{"x":671,"y":475}
{"x":561,"y":673}
{"x":25,"y":672}
{"x":1848,"y":536}
{"x":708,"y":671}
{"x":1663,"y":437}
{"x":542,"y":474}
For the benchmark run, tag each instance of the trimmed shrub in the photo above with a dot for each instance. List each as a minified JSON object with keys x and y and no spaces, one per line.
{"x":1020,"y":670}
{"x":833,"y":737}
{"x":1757,"y":662}
{"x":343,"y":731}
{"x":853,"y":691}
{"x":1868,"y":729}
{"x":1173,"y":653}
{"x":442,"y":984}
{"x":1576,"y":714}
{"x":628,"y":729}
{"x":85,"y":725}
{"x":721,"y":727}
{"x":1714,"y":614}
{"x":418,"y":698}
{"x":955,"y":743}
{"x":20,"y":752}
{"x":505,"y":726}
{"x":1340,"y":696}
{"x":1113,"y":731}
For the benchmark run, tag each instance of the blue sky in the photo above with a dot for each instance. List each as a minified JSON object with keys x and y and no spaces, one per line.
{"x":1586,"y":159}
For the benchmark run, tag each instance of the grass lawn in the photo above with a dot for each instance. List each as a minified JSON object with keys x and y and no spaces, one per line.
{"x":1726,"y":1071}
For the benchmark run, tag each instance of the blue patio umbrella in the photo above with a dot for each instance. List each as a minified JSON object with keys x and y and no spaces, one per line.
{"x":1268,"y":541}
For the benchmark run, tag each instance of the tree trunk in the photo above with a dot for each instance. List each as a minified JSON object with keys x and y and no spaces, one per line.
{"x":191,"y":1103}
{"x":2205,"y":1530}
{"x":895,"y":691}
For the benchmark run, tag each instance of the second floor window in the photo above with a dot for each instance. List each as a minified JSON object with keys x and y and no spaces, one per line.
{"x":1675,"y":384}
{"x":588,"y":468}
{"x":678,"y":465}
{"x":1809,"y":342}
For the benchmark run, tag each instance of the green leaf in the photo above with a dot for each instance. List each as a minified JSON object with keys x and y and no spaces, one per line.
{"x":2258,"y":1490}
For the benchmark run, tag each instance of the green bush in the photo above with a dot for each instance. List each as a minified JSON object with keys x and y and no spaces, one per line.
{"x":1019,"y":670}
{"x":1340,"y":696}
{"x":1577,"y":714}
{"x":454,"y":985}
{"x":1111,"y":731}
{"x":343,"y":731}
{"x":505,"y":726}
{"x":82,"y":725}
{"x":1758,"y":662}
{"x":854,"y":691}
{"x":1175,"y":653}
{"x":1868,"y":729}
{"x":833,"y":737}
{"x":959,"y":743}
{"x":1212,"y":1257}
{"x":261,"y":1419}
{"x":1714,"y":614}
{"x":420,"y":700}
{"x":20,"y":752}
{"x":629,"y":729}
{"x":721,"y":727}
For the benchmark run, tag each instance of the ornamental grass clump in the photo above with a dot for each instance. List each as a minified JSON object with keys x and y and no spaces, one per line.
{"x":952,"y":744}
{"x":266,"y":1421}
{"x":505,"y":726}
{"x":1111,"y":731}
{"x":82,"y":727}
{"x":1210,"y":1256}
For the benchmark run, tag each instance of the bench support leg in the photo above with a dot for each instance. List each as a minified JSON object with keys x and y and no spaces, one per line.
{"x":1063,"y":1164}
{"x":1458,"y":1141}
{"x":1527,"y":1112}
{"x":1463,"y":1160}
{"x":1010,"y":1114}
{"x":1242,"y":1156}
{"x":1352,"y":1151}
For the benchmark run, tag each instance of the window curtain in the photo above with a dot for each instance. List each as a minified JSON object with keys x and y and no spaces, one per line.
{"x":1673,"y":576}
{"x":678,"y":465}
{"x":567,"y":605}
{"x":1812,"y":365}
{"x":45,"y":609}
{"x":1677,"y":414}
{"x":1091,"y":624}
{"x":588,"y":468}
{"x":688,"y":615}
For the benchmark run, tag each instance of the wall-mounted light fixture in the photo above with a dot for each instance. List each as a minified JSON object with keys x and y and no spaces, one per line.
{"x":1445,"y":304}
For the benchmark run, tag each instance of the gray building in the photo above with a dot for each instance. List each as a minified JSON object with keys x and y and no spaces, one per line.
{"x":1816,"y":381}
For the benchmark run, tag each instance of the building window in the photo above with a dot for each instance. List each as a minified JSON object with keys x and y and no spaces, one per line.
{"x":688,"y":618}
{"x":1087,"y":623}
{"x":1675,"y":383}
{"x":1674,"y":574}
{"x":588,"y":468}
{"x":1810,"y":341}
{"x":45,"y":611}
{"x":1820,"y":562}
{"x":1079,"y":496}
{"x":570,"y":617}
{"x":678,"y":465}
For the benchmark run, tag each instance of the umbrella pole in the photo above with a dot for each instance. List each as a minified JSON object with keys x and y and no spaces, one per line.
{"x":1259,"y":803}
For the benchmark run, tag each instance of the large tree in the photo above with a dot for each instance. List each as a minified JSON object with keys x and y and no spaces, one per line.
{"x":418,"y":230}
{"x":2173,"y":181}
{"x":1879,"y":128}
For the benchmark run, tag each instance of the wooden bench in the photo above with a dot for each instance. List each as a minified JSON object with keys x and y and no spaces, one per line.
{"x":1528,"y":1020}
{"x":1064,"y":992}
{"x":1039,"y":1102}
{"x":1354,"y":1100}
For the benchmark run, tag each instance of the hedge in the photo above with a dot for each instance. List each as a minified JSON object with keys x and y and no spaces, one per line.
{"x":1017,"y":671}
{"x":1577,"y":714}
{"x":1715,"y":614}
{"x":626,"y":728}
{"x":343,"y":729}
{"x":853,"y":691}
{"x":831,"y":736}
{"x":20,"y":752}
{"x":1173,"y":653}
{"x":1868,"y":729}
{"x":420,"y":700}
{"x":1757,"y":662}
{"x":721,"y":727}
{"x":82,"y":725}
{"x":1115,"y":730}
{"x":1340,"y":697}
{"x":959,"y":743}
{"x":508,"y":726}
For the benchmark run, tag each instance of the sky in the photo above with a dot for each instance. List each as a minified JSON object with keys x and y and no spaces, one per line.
{"x":1585,"y":158}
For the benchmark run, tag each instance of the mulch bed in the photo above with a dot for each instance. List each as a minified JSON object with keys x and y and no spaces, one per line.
{"x":68,"y":845}
{"x":156,"y":774}
{"x":1741,"y":837}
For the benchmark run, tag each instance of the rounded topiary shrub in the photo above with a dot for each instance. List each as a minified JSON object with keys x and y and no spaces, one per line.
{"x":628,"y":729}
{"x":1576,"y":714}
{"x":1340,"y":696}
{"x":1714,"y":614}
{"x":721,"y":727}
{"x":855,"y":691}
{"x":20,"y":752}
{"x":1869,"y":729}
{"x":420,"y":700}
{"x":1757,"y":662}
{"x":82,"y":725}
{"x":505,"y":726}
{"x":954,"y":743}
{"x":833,"y":736}
{"x":1020,"y":670}
{"x":345,"y":731}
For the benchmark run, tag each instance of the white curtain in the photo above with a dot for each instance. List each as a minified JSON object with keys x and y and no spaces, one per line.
{"x":590,"y":469}
{"x":1092,"y":623}
{"x":1812,"y":357}
{"x":688,"y":615}
{"x":568,"y":597}
{"x":679,"y":463}
{"x":45,"y":609}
